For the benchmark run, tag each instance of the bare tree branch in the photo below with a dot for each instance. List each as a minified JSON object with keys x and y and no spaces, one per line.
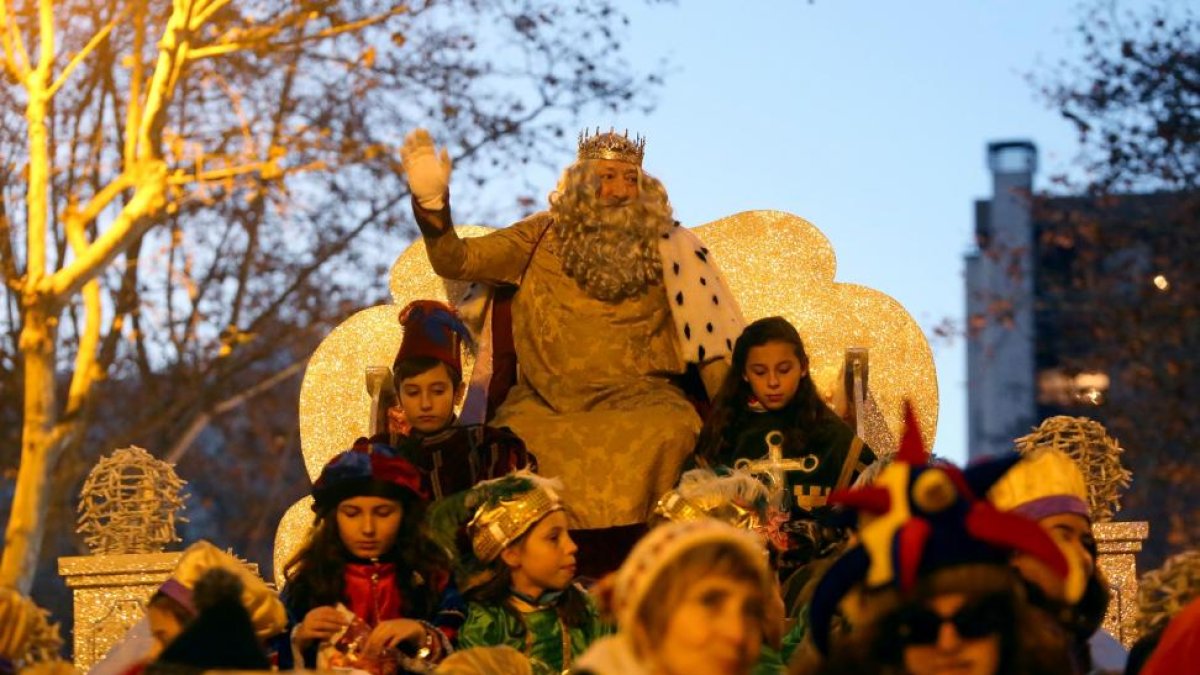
{"x":16,"y":58}
{"x":87,"y":50}
{"x":138,"y":214}
{"x":185,"y":439}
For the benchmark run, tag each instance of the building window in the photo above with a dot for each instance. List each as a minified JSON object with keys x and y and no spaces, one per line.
{"x":1066,"y":390}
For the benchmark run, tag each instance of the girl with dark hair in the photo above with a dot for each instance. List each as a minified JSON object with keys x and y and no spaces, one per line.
{"x":368,"y":589}
{"x":767,"y":410}
{"x":520,"y":575}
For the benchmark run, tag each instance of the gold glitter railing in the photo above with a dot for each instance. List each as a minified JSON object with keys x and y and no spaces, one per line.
{"x":1118,"y":544}
{"x":109,"y":594}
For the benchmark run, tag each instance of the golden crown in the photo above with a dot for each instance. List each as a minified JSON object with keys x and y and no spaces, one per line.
{"x":611,"y":145}
{"x":737,"y":498}
{"x":499,"y":523}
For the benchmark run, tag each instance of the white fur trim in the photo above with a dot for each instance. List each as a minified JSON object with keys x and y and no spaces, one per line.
{"x":707,"y":317}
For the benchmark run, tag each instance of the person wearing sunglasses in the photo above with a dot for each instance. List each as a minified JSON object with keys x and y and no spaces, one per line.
{"x":928,"y":589}
{"x":968,"y":620}
{"x":953,"y":633}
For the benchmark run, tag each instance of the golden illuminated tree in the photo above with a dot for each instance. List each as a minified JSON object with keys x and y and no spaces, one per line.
{"x":192,"y":191}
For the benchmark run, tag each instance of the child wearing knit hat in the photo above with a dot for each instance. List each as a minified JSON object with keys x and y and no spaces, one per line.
{"x":691,"y":598}
{"x":518,"y":574}
{"x":428,"y":380}
{"x":368,"y":589}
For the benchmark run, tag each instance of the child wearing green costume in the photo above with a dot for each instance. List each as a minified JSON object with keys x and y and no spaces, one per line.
{"x":519,"y":575}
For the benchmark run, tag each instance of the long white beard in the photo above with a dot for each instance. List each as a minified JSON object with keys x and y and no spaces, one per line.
{"x":611,"y":252}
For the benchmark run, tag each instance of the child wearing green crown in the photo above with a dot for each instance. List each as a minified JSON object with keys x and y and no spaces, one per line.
{"x":519,"y":575}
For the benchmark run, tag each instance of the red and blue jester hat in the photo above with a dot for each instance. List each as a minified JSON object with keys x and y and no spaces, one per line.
{"x":367,"y":470}
{"x":920,"y":517}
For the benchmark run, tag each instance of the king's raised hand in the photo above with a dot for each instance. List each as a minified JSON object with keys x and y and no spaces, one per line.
{"x":426,"y":168}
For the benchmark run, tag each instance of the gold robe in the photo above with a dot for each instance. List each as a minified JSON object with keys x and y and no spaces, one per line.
{"x":593,"y":400}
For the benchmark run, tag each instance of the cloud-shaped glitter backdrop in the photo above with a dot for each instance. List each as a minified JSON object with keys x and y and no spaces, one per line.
{"x":776,"y":264}
{"x":335,"y":407}
{"x":334,"y":403}
{"x":780,"y":264}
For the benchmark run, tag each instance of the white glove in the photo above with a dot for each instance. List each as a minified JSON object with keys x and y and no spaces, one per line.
{"x":427,"y":170}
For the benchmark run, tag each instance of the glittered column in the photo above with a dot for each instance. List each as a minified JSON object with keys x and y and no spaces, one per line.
{"x":109,"y":594}
{"x":1118,"y":544}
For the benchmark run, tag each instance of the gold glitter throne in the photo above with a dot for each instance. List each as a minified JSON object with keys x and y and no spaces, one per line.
{"x":776,"y":264}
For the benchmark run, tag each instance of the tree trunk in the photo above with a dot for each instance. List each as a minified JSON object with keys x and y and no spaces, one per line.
{"x":39,"y":451}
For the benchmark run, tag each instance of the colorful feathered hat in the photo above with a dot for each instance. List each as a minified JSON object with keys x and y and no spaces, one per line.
{"x":432,"y":330}
{"x":920,"y":518}
{"x":366,"y":470}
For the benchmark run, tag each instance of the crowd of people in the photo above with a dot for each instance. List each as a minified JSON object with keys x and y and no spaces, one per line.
{"x":658,"y":488}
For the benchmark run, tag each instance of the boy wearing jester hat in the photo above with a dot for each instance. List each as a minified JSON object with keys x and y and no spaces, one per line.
{"x":428,"y":379}
{"x":614,"y":303}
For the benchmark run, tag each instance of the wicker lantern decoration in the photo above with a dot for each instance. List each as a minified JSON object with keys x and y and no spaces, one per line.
{"x":1165,"y":591}
{"x":1097,"y":454}
{"x":130,"y":503}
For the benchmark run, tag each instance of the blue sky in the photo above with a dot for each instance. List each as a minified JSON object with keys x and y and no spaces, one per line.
{"x":867,"y":118}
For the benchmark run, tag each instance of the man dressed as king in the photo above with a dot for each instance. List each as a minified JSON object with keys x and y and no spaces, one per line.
{"x":614,"y":300}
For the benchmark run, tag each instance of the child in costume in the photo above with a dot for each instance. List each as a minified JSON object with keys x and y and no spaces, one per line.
{"x":1049,"y":486}
{"x":174,"y":605}
{"x":203,"y":578}
{"x":368,"y":589}
{"x":519,"y":575}
{"x":222,"y":635}
{"x":929,"y":588}
{"x":769,"y":409}
{"x":739,"y":499}
{"x":428,"y":379}
{"x":692,"y":597}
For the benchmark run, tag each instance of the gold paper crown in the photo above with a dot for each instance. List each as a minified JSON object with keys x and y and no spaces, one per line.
{"x":1048,"y":472}
{"x":737,"y":498}
{"x":499,"y":521}
{"x":611,"y":145}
